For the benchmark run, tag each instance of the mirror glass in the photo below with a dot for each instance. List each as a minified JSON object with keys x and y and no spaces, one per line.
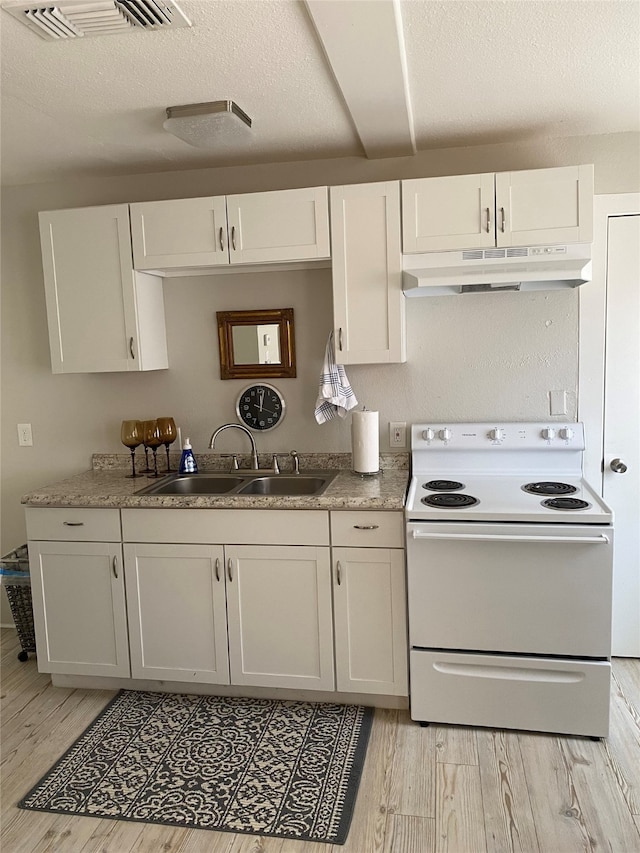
{"x":256,"y":344}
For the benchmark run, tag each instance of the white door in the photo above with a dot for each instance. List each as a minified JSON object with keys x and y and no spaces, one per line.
{"x":444,"y":214}
{"x":177,"y":612}
{"x":368,"y":302}
{"x":544,"y":206}
{"x":89,"y":289}
{"x":79,"y":608}
{"x":609,"y":396}
{"x":279,"y":612}
{"x":370,"y":620}
{"x":621,"y":478}
{"x":287,"y":225}
{"x":188,"y":232}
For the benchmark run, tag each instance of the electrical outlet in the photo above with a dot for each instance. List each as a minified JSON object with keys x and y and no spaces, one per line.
{"x":397,"y":434}
{"x":25,"y":436}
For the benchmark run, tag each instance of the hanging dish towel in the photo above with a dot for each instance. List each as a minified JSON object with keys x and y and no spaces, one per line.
{"x":335,"y":396}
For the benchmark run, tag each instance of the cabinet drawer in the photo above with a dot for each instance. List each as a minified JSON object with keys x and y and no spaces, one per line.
{"x":75,"y":525}
{"x":226,"y":526}
{"x":367,"y":529}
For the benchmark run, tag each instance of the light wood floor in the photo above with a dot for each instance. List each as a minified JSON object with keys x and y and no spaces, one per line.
{"x":442,"y":788}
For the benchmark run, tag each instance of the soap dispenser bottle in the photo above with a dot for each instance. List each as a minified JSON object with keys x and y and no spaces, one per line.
{"x":188,"y":463}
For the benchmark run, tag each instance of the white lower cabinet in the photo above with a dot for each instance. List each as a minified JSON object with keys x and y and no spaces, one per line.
{"x":79,"y":607}
{"x":370,"y":618}
{"x":177,"y":612}
{"x":262,"y":612}
{"x":235,"y":614}
{"x":279,"y":612}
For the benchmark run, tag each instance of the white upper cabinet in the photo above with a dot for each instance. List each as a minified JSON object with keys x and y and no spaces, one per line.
{"x":439,"y":214}
{"x":288,"y":225}
{"x":544,"y":206}
{"x":102,"y":315}
{"x":368,"y":303}
{"x":179,"y":233}
{"x":252,"y":228}
{"x":494,"y":210}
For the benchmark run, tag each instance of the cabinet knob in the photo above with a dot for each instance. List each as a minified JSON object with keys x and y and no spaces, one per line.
{"x":503,"y":220}
{"x":131,"y":348}
{"x":221,"y":238}
{"x":488,"y":220}
{"x":73,"y":523}
{"x":229,"y":566}
{"x":114,"y":567}
{"x":233,"y":237}
{"x":218,"y":569}
{"x":366,"y":526}
{"x":338,"y":573}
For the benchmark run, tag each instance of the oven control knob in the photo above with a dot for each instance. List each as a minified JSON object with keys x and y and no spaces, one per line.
{"x":428,"y":434}
{"x":566,"y":432}
{"x":445,"y":434}
{"x":548,"y":433}
{"x":496,"y":434}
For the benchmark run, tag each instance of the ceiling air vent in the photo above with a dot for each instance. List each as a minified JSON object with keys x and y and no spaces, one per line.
{"x":78,"y":18}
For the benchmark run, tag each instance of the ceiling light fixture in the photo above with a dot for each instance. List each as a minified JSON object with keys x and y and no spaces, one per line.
{"x":208,"y":125}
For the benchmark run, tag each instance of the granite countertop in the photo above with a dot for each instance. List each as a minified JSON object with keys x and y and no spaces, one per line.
{"x":106,"y":485}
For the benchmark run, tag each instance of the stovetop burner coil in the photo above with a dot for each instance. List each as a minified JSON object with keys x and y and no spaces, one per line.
{"x":450,"y":501}
{"x":566,"y":503}
{"x":443,"y":485}
{"x":549,"y":488}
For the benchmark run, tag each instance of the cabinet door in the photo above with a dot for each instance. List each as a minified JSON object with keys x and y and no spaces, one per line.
{"x":177,"y":614}
{"x":92,"y":293}
{"x":189,"y":232}
{"x":445,"y":214}
{"x":79,"y":608}
{"x":545,"y":206}
{"x":368,"y":302}
{"x":370,"y":620}
{"x":279,"y":611}
{"x":288,"y":225}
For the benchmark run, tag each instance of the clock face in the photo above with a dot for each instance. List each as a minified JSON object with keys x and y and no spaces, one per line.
{"x":260,"y":407}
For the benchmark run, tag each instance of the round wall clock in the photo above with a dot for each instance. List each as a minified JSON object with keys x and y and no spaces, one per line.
{"x":260,"y":406}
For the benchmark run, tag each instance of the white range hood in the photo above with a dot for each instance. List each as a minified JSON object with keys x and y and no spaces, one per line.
{"x":495,"y":270}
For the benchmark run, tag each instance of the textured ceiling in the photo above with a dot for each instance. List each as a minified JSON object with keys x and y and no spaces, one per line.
{"x":331,"y":78}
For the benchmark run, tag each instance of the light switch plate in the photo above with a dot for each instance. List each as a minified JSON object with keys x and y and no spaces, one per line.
{"x":557,"y":402}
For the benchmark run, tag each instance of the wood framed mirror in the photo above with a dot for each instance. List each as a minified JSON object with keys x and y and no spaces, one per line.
{"x":257,"y":344}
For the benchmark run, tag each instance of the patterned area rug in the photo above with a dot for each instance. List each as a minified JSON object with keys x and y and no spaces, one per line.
{"x":288,"y":769}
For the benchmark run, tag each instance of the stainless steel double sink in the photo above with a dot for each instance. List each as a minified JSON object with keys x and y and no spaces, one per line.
{"x":213,"y":483}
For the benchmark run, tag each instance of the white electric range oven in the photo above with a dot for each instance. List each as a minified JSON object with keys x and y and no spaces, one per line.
{"x":509,"y":579}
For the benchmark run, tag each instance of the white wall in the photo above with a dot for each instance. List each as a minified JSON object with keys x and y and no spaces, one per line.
{"x":492,"y":356}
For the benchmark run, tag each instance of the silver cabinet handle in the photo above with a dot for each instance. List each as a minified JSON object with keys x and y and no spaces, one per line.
{"x":73,"y":523}
{"x":338,"y":573}
{"x":221,"y":238}
{"x":114,"y":567}
{"x":488,"y":220}
{"x":366,"y":526}
{"x":229,"y":563}
{"x":131,"y":348}
{"x":503,"y":219}
{"x":618,"y":466}
{"x":218,"y":569}
{"x":340,"y":338}
{"x":233,"y":237}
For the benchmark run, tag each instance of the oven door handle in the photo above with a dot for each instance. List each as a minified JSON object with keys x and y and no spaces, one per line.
{"x":498,"y":537}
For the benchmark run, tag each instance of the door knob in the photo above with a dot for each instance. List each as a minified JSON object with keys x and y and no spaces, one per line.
{"x":617,"y":466}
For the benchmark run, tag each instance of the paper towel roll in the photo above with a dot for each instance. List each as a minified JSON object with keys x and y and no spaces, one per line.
{"x":364,"y":442}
